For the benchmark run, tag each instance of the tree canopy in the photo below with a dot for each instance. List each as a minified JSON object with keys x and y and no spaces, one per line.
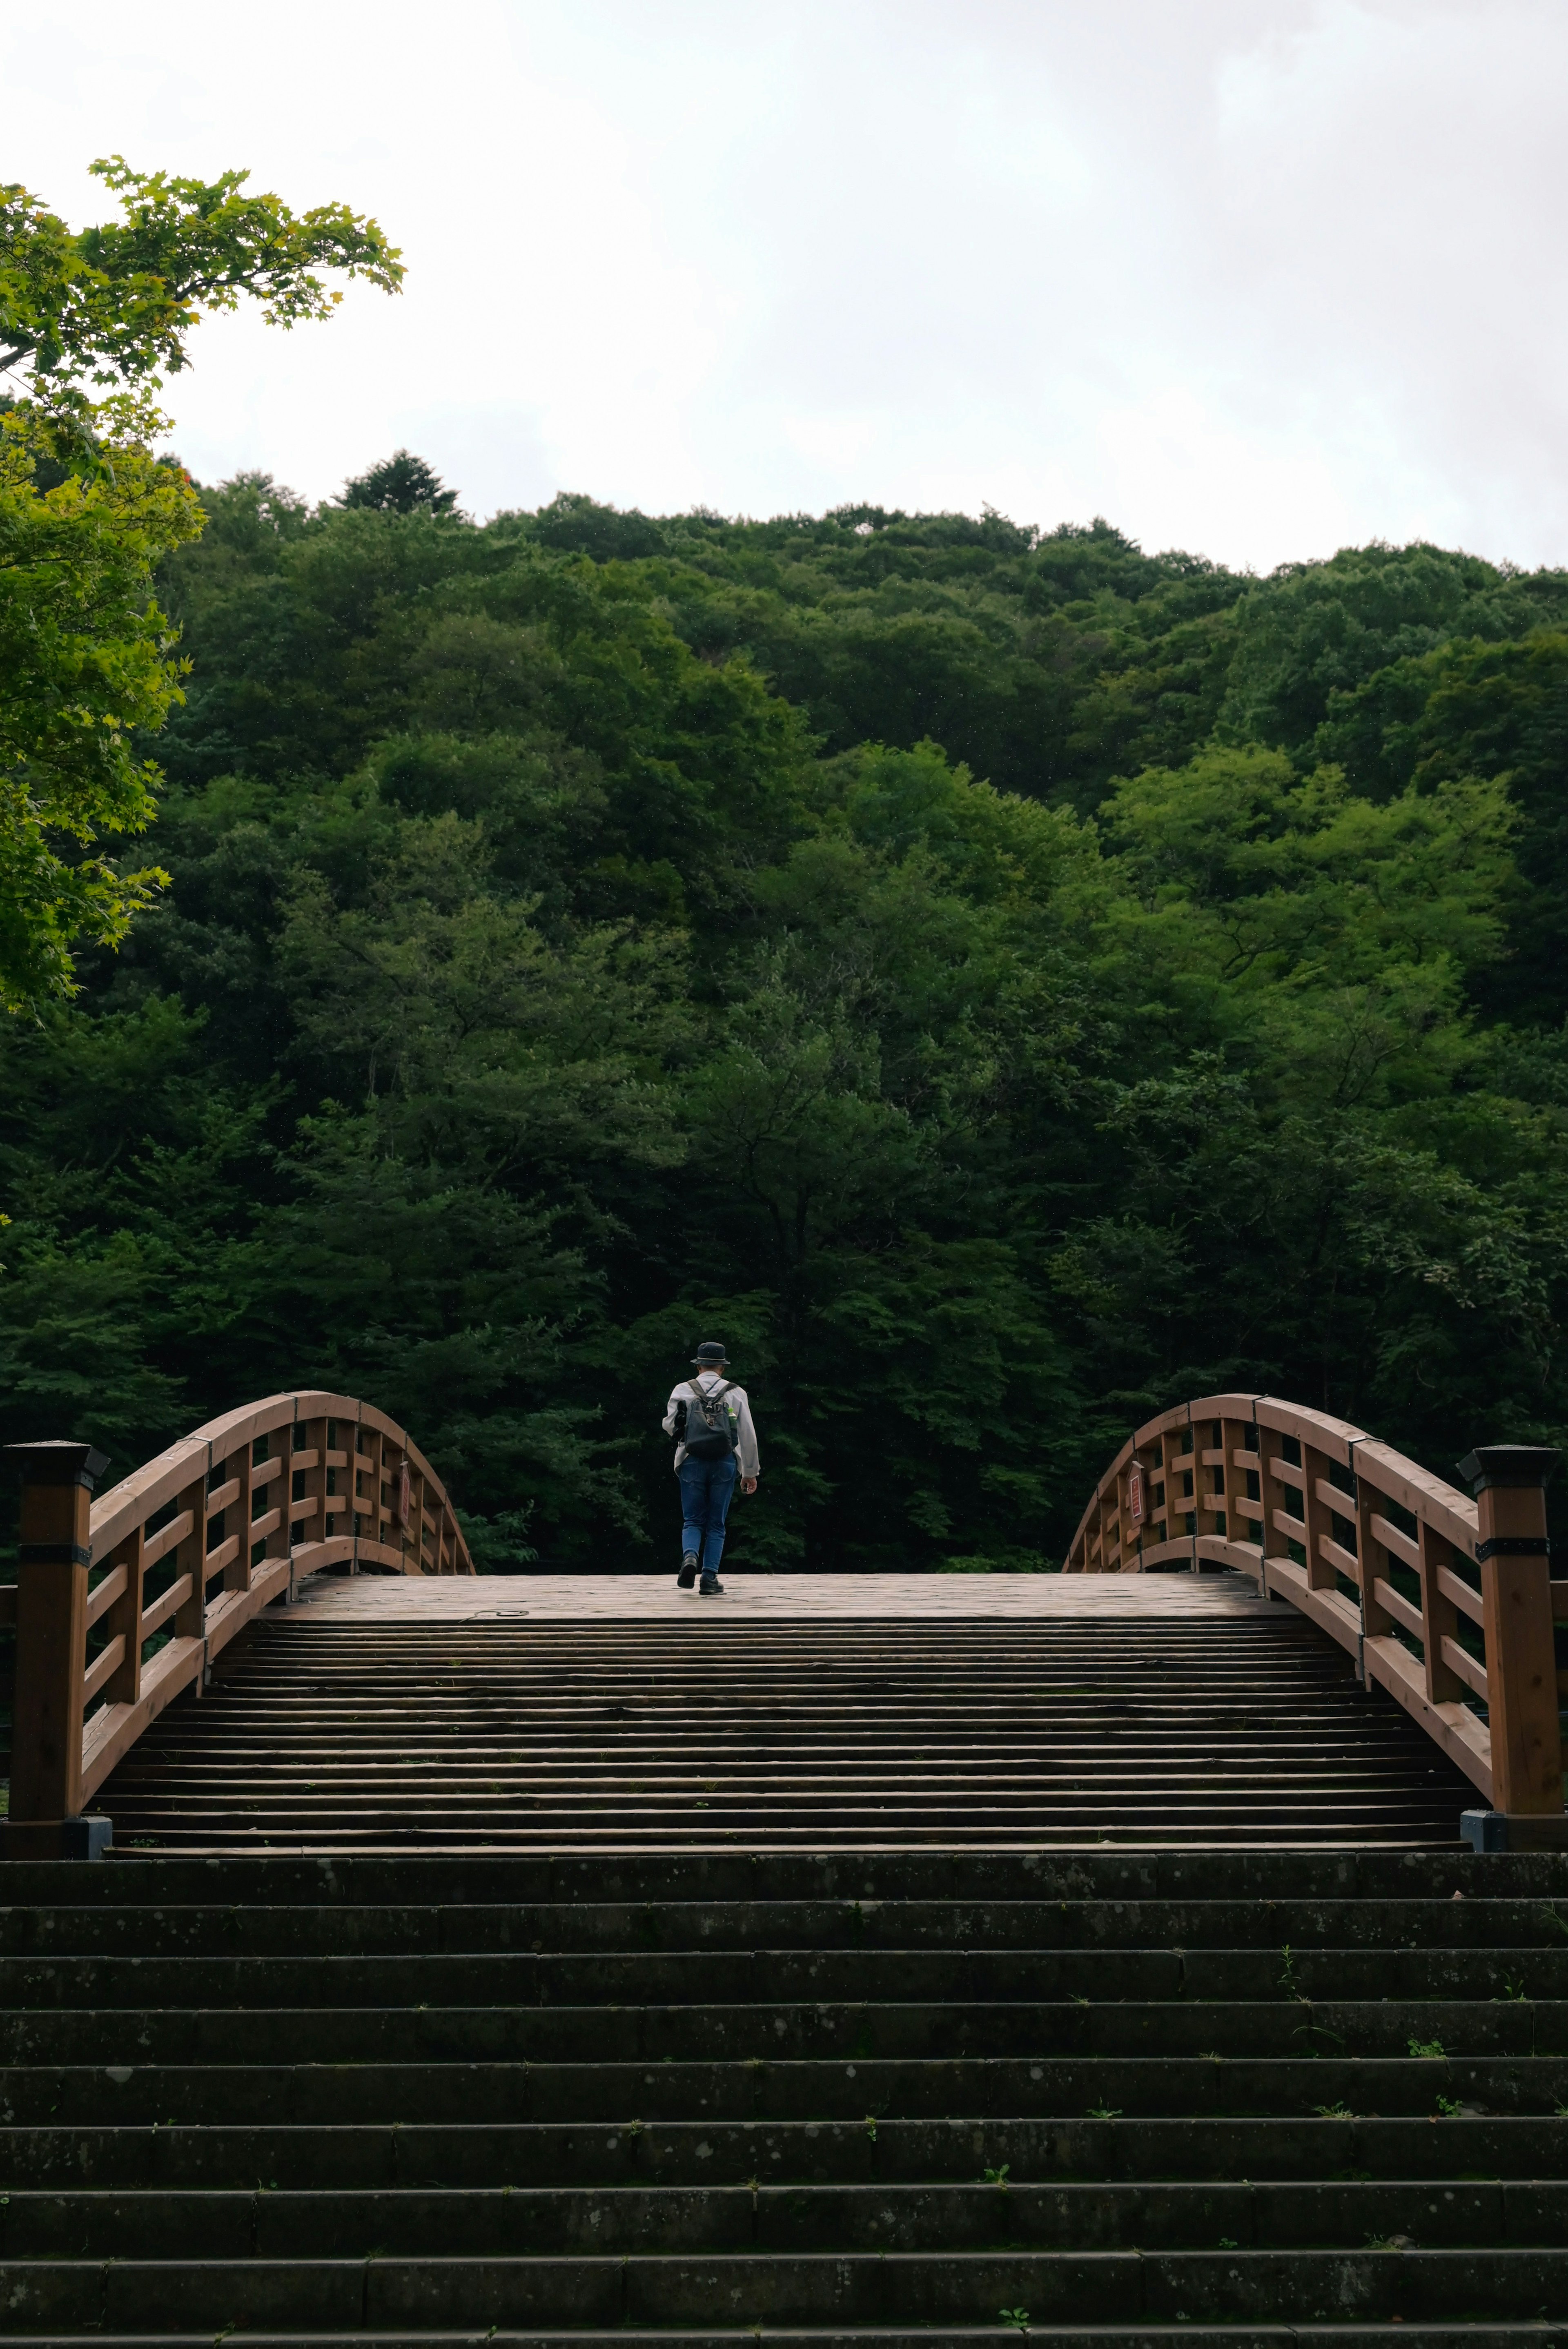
{"x":90,"y":321}
{"x":115,"y":305}
{"x":999,"y":983}
{"x":403,"y":484}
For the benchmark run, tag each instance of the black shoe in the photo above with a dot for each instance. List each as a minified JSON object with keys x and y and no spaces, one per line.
{"x":710,"y":1586}
{"x":688,"y":1574}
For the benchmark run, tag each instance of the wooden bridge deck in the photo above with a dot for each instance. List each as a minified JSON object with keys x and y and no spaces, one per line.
{"x":372,"y":1599}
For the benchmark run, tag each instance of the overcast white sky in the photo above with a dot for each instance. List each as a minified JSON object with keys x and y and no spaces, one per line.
{"x":1254,"y":278}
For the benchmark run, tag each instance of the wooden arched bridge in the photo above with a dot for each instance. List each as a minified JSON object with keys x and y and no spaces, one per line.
{"x":1094,"y":1955}
{"x":314,"y":1523}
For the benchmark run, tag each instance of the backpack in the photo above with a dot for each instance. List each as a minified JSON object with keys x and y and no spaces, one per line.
{"x":709,"y":1428}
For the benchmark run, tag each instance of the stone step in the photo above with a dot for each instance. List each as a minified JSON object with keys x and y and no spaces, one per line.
{"x":1222,"y":2286}
{"x":1396,"y":2334}
{"x":615,"y":2092}
{"x":671,"y":1981}
{"x":332,"y":2156}
{"x":870,"y":2031}
{"x":979,"y":1928}
{"x":656,"y":1883}
{"x":1313,"y":1805}
{"x":477,"y":2031}
{"x":506,"y":2222}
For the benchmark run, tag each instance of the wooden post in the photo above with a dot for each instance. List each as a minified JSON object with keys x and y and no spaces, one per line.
{"x":190,"y":1557}
{"x":1440,"y":1617}
{"x":1138,"y":1490}
{"x":273,"y":1490}
{"x":305,"y":1467}
{"x":1320,"y":1572}
{"x":237,"y":1519}
{"x":417,"y":1523}
{"x":337,"y":1453}
{"x":1241,"y":1444}
{"x":1123,"y":1524}
{"x":316,"y":1434}
{"x":1173,"y":1472}
{"x":1231,"y":1482}
{"x":403,"y":1506}
{"x":55,"y":1550}
{"x":1376,"y":1623}
{"x":1208,"y":1475}
{"x":351,"y":1439}
{"x":123,"y":1619}
{"x":1514,"y":1554}
{"x":380,"y":1488}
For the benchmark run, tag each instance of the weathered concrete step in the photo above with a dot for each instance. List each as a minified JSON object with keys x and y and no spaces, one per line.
{"x":975,"y":1926}
{"x":362,"y":1797}
{"x":1397,"y":2334}
{"x":818,"y":2031}
{"x":334,"y":2156}
{"x":507,"y":2221}
{"x":554,"y":1984}
{"x":538,"y":1804}
{"x":1117,"y":2288}
{"x":782,"y":2090}
{"x":657,"y":1880}
{"x":615,"y":1824}
{"x":223,"y":1843}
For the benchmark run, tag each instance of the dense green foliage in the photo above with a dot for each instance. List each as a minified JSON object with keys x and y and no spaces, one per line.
{"x":91,"y":322}
{"x":1000,"y":984}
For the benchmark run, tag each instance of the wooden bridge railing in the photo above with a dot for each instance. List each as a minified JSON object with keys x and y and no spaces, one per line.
{"x":123,"y":1602}
{"x":1440,"y":1599}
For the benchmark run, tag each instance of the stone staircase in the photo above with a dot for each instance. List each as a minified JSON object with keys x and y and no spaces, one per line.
{"x":1238,"y":2097}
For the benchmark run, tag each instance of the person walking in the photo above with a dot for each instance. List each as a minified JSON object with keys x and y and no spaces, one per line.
{"x":710,"y":1419}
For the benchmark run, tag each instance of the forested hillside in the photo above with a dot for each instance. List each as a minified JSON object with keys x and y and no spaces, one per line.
{"x":998,"y":983}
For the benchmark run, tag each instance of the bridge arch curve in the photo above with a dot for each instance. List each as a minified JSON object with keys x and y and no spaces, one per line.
{"x":224,"y":1521}
{"x":1444,"y":1600}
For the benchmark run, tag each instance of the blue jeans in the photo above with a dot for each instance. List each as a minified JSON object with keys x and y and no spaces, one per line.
{"x":706,"y":1486}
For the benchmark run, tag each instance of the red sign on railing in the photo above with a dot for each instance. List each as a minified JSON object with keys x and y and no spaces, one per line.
{"x":1136,"y":1507}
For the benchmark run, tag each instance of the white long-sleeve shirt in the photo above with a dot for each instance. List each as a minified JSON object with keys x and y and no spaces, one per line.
{"x":745,"y":1431}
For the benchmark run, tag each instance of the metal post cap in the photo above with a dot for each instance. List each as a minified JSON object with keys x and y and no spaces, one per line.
{"x":57,"y":1462}
{"x":1514,"y":1464}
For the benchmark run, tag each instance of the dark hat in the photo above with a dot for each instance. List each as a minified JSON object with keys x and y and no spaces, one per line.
{"x":709,"y":1353}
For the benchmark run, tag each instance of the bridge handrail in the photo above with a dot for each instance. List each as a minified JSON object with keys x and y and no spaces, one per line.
{"x":1222,"y":1464}
{"x":207,"y":1504}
